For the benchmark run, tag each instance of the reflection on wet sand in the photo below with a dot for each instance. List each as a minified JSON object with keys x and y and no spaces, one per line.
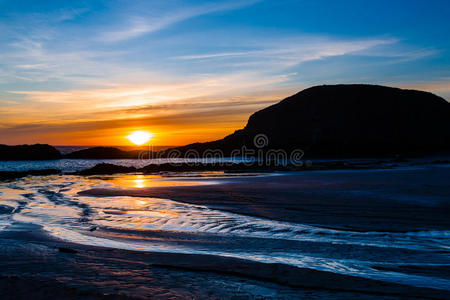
{"x":146,"y":181}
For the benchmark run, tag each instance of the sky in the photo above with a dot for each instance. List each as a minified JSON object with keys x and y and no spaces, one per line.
{"x":91,"y":72}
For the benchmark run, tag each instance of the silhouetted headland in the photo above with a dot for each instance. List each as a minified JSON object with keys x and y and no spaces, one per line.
{"x":347,"y":121}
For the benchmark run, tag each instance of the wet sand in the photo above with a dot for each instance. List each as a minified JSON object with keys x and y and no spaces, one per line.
{"x":36,"y":265}
{"x":397,"y":200}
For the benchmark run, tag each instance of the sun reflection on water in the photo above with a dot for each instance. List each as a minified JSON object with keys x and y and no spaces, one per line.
{"x":140,"y":181}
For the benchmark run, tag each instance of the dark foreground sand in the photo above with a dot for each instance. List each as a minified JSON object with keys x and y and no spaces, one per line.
{"x":35,"y":266}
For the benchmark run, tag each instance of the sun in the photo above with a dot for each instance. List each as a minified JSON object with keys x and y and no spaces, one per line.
{"x":139,"y":137}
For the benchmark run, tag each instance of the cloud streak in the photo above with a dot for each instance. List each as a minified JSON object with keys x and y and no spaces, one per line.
{"x":140,"y":25}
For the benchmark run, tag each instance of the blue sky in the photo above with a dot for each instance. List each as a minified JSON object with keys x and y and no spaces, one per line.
{"x":196,"y":69}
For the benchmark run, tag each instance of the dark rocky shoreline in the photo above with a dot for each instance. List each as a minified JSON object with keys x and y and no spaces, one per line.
{"x":228,"y":167}
{"x":106,"y":168}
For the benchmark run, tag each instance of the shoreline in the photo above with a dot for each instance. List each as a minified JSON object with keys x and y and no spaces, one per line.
{"x":30,"y":245}
{"x":315,"y":202}
{"x":107,"y":168}
{"x":327,"y":199}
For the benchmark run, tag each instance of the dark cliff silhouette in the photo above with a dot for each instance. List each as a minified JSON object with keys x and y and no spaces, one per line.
{"x":29,"y":152}
{"x":347,"y":121}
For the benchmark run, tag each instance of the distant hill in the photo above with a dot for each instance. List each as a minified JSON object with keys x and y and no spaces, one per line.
{"x":29,"y":152}
{"x":69,"y":149}
{"x":106,"y":153}
{"x":347,"y":121}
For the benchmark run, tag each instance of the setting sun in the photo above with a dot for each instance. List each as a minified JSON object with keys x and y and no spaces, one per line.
{"x":139,"y":137}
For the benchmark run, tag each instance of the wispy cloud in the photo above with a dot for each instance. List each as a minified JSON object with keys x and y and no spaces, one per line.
{"x":267,"y":71}
{"x":306,"y":49}
{"x":217,"y":55}
{"x":140,"y":25}
{"x":305,"y":44}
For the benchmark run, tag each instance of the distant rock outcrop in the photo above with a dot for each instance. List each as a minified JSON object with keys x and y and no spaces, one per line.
{"x":29,"y":152}
{"x":347,"y":121}
{"x":107,"y":169}
{"x":107,"y":153}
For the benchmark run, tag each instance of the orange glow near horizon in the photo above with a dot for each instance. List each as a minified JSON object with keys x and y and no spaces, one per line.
{"x":172,"y":130}
{"x":178,"y":113}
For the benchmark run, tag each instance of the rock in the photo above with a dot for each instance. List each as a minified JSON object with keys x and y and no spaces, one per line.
{"x":29,"y":152}
{"x":104,"y":168}
{"x":99,"y":153}
{"x":108,"y":153}
{"x":347,"y":121}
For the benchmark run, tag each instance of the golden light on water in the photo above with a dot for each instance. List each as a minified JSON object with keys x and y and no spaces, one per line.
{"x":139,"y":137}
{"x":150,"y":181}
{"x":139,"y":183}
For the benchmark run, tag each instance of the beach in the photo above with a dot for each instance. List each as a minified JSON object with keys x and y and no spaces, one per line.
{"x":225,"y":149}
{"x":334,"y":234}
{"x":393,"y":200}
